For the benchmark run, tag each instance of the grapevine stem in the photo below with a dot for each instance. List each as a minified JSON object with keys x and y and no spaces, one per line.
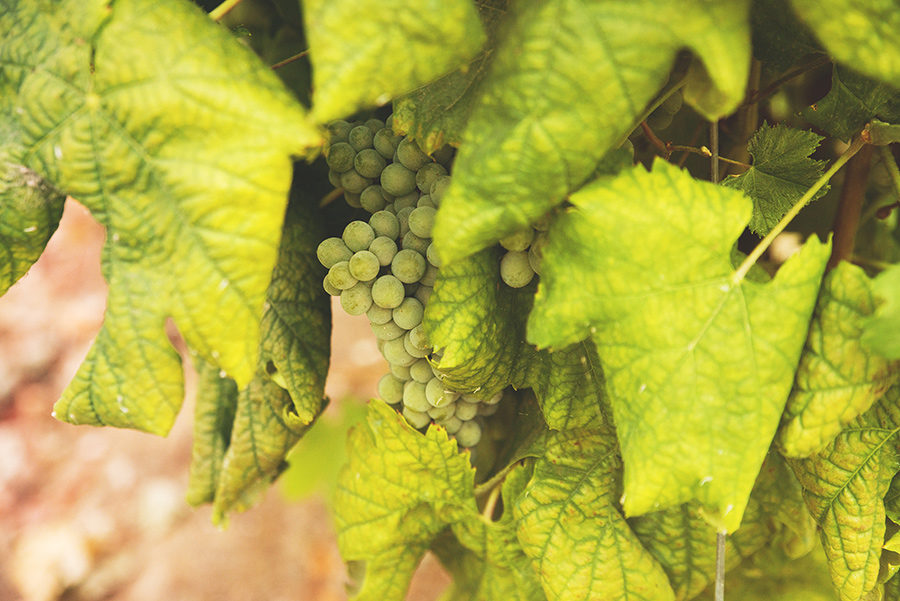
{"x":331,"y":196}
{"x":846,"y":221}
{"x":705,"y":152}
{"x":720,"y":566}
{"x":764,"y":244}
{"x":223,"y":9}
{"x":491,"y":504}
{"x":773,"y":87}
{"x":290,"y":59}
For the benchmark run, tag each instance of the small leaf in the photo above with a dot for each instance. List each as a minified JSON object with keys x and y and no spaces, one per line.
{"x":862,"y":33}
{"x":698,"y":367}
{"x":844,"y":486}
{"x":365,"y":53}
{"x":881,"y":331}
{"x":782,"y":172}
{"x":566,"y":84}
{"x":852,"y":101}
{"x":838,"y":378}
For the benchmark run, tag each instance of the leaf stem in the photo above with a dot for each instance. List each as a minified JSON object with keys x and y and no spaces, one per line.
{"x":331,"y":196}
{"x":290,"y":59}
{"x":705,"y":152}
{"x":846,"y":221}
{"x":720,"y":566}
{"x":764,"y":244}
{"x":491,"y":504}
{"x":714,"y":154}
{"x":773,"y":87}
{"x":223,"y":9}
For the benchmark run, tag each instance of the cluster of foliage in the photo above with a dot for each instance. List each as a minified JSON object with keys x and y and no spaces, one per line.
{"x":660,"y":380}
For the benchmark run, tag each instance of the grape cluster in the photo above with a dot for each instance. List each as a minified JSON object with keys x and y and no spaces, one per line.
{"x":386,"y":267}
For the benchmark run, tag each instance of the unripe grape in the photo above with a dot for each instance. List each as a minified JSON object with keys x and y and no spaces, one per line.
{"x":451,"y":424}
{"x":388,"y":292}
{"x":423,"y":293}
{"x":425,"y":201}
{"x":413,"y":242}
{"x":414,"y":396}
{"x":469,"y":433}
{"x":352,"y":199}
{"x":432,"y":256}
{"x":438,"y":188}
{"x":442,"y":413}
{"x":403,"y":218}
{"x":385,"y":223}
{"x":338,"y":131}
{"x":421,"y":221}
{"x":413,"y":350}
{"x":515,"y":270}
{"x":353,"y":182}
{"x":408,"y":266}
{"x":329,"y":287}
{"x":430,"y":276}
{"x":368,"y":163}
{"x":374,"y":124}
{"x":401,"y":372}
{"x":358,"y":235}
{"x":390,"y":389}
{"x":416,"y":419}
{"x":372,"y":199}
{"x":435,"y":393}
{"x":410,"y":155}
{"x":397,"y":180}
{"x":395,"y":352}
{"x":466,"y":410}
{"x":360,"y":137}
{"x":340,"y":157}
{"x":420,"y":371}
{"x":417,"y":338}
{"x":357,"y":299}
{"x":387,"y":331}
{"x":519,"y":240}
{"x":536,"y":252}
{"x":340,"y":277}
{"x":409,"y":313}
{"x":364,"y":265}
{"x":427,"y":174}
{"x":385,"y":142}
{"x":487,"y":410}
{"x":384,"y":249}
{"x":334,"y":178}
{"x":494,"y":399}
{"x":378,"y":315}
{"x":410,"y":200}
{"x":332,"y":250}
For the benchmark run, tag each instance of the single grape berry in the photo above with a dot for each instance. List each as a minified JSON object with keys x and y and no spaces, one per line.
{"x":394,"y":351}
{"x":410,"y":200}
{"x":409,"y":313}
{"x":364,"y":265}
{"x":385,"y":142}
{"x":416,"y":419}
{"x":487,"y":410}
{"x":400,"y":372}
{"x":379,"y":315}
{"x":466,"y":410}
{"x":388,"y":291}
{"x":515,"y":269}
{"x":412,"y":349}
{"x":357,"y":299}
{"x":353,"y":182}
{"x":423,"y":293}
{"x":358,"y":235}
{"x":340,"y":277}
{"x":451,"y":424}
{"x":352,"y":199}
{"x":420,"y":371}
{"x":413,"y":242}
{"x":368,"y":163}
{"x":519,"y":240}
{"x":414,"y":396}
{"x":329,"y":287}
{"x":390,"y":389}
{"x":443,"y":412}
{"x":421,"y":221}
{"x":425,"y":201}
{"x":410,"y":155}
{"x":417,"y":337}
{"x":469,"y":433}
{"x":360,"y":137}
{"x":374,"y":124}
{"x":403,"y":218}
{"x":436,"y":395}
{"x":432,"y":256}
{"x":438,"y":188}
{"x":385,"y":223}
{"x":387,"y":331}
{"x":338,"y":131}
{"x":372,"y":199}
{"x":397,"y":180}
{"x":384,"y":249}
{"x":332,"y":250}
{"x":408,"y":266}
{"x":430,"y":276}
{"x":426,"y":175}
{"x":340,"y":157}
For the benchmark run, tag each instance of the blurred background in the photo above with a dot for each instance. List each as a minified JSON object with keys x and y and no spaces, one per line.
{"x":97,"y":513}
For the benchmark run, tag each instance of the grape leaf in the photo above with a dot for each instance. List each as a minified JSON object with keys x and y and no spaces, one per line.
{"x":398,"y":491}
{"x":844,"y":486}
{"x":781,"y":173}
{"x":436,"y":114}
{"x":881,"y":331}
{"x":570,"y":387}
{"x":838,"y":378}
{"x":779,"y":38}
{"x":892,"y":500}
{"x":364,"y":53}
{"x":698,"y":366}
{"x":569,"y":525}
{"x":861,"y":33}
{"x":565,"y":85}
{"x":189,"y":172}
{"x":851,"y":102}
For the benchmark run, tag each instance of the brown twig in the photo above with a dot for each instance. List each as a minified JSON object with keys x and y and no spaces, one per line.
{"x":331,"y":196}
{"x":773,"y":87}
{"x":654,"y":139}
{"x":290,"y":59}
{"x":846,"y":221}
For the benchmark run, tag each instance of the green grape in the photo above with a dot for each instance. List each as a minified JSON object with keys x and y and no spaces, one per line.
{"x":412,"y":350}
{"x":403,"y":218}
{"x":451,"y":424}
{"x":384,"y":249}
{"x":408,"y":266}
{"x":329,"y":287}
{"x":360,"y":137}
{"x":357,"y":299}
{"x":423,"y":293}
{"x":519,"y":240}
{"x":374,"y":124}
{"x":417,"y":338}
{"x":340,"y":277}
{"x":390,"y":389}
{"x":352,"y":200}
{"x":410,"y":155}
{"x":397,"y":180}
{"x":358,"y":235}
{"x":515,"y":270}
{"x":659,"y":119}
{"x":340,"y":157}
{"x":409,"y":313}
{"x":385,"y":142}
{"x":536,"y":252}
{"x":334,"y":178}
{"x":338,"y":131}
{"x":466,"y":410}
{"x":378,"y":315}
{"x":372,"y":199}
{"x":432,"y":255}
{"x":438,"y":395}
{"x":469,"y":433}
{"x":414,"y":396}
{"x":420,"y":371}
{"x":413,"y":242}
{"x":368,"y":163}
{"x":332,"y":250}
{"x":493,"y":400}
{"x":421,"y":221}
{"x":394,"y":351}
{"x":487,"y":410}
{"x":388,"y":291}
{"x":399,"y":371}
{"x":438,"y":188}
{"x":425,"y":201}
{"x":364,"y":265}
{"x":443,"y":412}
{"x":387,"y":331}
{"x":385,"y":223}
{"x":353,"y":182}
{"x":410,"y":200}
{"x":430,"y":276}
{"x":426,"y":175}
{"x":416,"y":419}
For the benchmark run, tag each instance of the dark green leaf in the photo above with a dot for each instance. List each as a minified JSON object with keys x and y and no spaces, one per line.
{"x":779,"y":38}
{"x":852,"y":101}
